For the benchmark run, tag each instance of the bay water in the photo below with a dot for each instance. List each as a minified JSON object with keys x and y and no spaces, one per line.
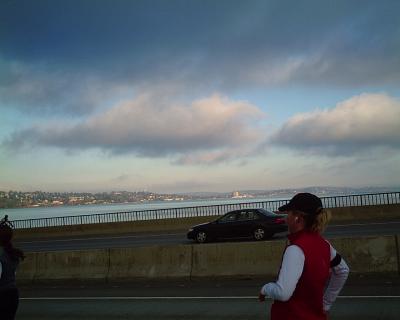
{"x":63,"y":211}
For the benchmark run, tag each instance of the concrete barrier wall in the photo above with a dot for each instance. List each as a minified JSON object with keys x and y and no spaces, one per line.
{"x":150,"y":262}
{"x":362,"y":213}
{"x":369,"y":255}
{"x":237,"y":259}
{"x":364,"y":255}
{"x":62,"y":265}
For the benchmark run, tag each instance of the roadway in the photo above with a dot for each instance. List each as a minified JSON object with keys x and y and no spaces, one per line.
{"x":362,"y":298}
{"x":146,"y":239}
{"x":236,"y":299}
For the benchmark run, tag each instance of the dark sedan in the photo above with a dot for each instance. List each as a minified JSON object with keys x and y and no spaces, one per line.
{"x":256,"y":223}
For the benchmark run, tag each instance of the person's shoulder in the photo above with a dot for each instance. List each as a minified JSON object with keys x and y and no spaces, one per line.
{"x":294,"y":249}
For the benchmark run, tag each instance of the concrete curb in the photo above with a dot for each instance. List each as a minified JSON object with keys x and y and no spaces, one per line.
{"x":366,"y":255}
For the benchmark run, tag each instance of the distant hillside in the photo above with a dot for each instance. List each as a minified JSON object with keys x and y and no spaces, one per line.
{"x":289,"y":192}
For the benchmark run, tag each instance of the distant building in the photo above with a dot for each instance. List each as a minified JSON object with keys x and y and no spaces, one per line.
{"x":238,"y":195}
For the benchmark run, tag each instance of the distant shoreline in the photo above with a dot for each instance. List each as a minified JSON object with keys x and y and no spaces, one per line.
{"x":39,"y":199}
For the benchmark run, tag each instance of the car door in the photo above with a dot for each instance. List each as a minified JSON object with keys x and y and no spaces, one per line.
{"x":248,"y":222}
{"x":226,"y":225}
{"x":237,"y":228}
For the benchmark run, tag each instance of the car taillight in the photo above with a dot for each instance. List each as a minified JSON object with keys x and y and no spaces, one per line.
{"x":279,"y":221}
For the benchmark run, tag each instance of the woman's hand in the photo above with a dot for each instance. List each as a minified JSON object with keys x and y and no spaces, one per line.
{"x":261,"y":297}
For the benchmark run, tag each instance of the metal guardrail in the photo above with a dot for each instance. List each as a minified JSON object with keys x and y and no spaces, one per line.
{"x":212,"y":210}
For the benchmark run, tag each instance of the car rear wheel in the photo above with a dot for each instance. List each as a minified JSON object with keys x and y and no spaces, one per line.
{"x":259,"y":234}
{"x":201,"y":237}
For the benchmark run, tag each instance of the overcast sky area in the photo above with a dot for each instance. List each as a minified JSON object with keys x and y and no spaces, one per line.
{"x":184,"y":96}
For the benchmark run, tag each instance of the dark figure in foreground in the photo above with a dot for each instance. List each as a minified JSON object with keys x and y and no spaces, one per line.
{"x":312,"y":273}
{"x":9,"y":260}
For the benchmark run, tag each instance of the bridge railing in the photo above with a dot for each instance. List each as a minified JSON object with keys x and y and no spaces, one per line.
{"x":198,"y":211}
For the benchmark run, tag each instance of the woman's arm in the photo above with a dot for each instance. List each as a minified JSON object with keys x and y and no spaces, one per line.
{"x":339,"y":274}
{"x":289,"y":274}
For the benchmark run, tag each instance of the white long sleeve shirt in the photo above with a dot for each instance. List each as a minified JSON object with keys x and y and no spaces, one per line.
{"x":290,"y":273}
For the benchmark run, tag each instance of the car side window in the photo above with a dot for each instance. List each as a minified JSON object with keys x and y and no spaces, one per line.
{"x":247,"y":215}
{"x":229,"y":218}
{"x":252,"y":215}
{"x":243,"y":215}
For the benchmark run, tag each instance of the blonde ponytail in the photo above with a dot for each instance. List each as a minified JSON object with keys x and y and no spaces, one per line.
{"x":321,"y":221}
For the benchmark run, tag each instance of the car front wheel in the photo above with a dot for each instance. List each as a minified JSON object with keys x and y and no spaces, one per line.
{"x":259,"y":234}
{"x":201,"y":237}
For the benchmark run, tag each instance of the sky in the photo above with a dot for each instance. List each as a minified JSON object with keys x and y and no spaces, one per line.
{"x":208,"y":96}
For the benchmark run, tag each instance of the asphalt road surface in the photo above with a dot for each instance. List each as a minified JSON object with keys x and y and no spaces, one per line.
{"x":133,"y":240}
{"x":362,"y":298}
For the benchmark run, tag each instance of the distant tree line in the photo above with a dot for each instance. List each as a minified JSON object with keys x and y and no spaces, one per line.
{"x":17,"y":199}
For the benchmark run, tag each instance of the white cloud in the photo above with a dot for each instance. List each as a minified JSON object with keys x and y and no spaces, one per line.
{"x":153,"y":125}
{"x":359,"y":123}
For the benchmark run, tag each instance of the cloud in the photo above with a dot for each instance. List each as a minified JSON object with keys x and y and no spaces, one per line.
{"x":218,"y":156}
{"x":262,"y":43}
{"x":357,"y":124}
{"x":43,"y":89}
{"x":152,"y":125}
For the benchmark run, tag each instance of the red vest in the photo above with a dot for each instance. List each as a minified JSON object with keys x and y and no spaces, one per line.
{"x":306,"y":301}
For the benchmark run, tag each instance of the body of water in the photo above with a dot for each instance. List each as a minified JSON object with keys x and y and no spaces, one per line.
{"x":329,"y":201}
{"x":63,"y":211}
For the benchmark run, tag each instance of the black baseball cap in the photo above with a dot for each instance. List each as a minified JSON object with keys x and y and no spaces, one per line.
{"x":304,"y":202}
